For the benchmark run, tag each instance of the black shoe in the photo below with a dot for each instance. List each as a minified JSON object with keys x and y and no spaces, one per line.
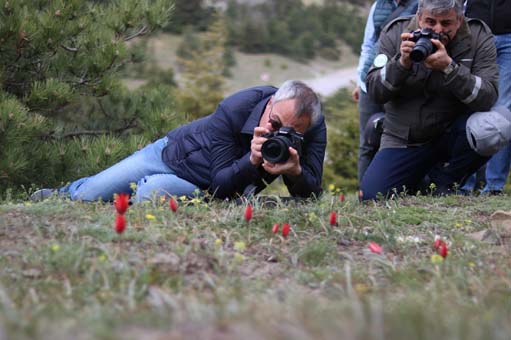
{"x":42,"y":194}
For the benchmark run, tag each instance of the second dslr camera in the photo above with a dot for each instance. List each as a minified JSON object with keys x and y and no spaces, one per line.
{"x":423,"y":45}
{"x":275,"y":149}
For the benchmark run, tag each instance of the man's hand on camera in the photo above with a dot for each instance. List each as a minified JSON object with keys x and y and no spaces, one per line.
{"x":291,"y":167}
{"x":405,"y":50}
{"x":440,"y":59}
{"x":256,"y":158}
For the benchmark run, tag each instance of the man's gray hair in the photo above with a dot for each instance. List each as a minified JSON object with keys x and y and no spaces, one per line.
{"x":307,"y":101}
{"x":441,"y":6}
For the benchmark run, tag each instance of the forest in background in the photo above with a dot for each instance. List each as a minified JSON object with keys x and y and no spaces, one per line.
{"x":65,"y":111}
{"x":286,"y":27}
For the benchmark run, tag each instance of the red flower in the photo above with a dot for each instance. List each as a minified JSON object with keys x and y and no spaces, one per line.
{"x":438,"y":243}
{"x":285,"y":229}
{"x":248,"y":213}
{"x":375,"y":248}
{"x":120,"y":224}
{"x":275,"y":228}
{"x":173,"y":204}
{"x":342,"y":198}
{"x":333,"y":218}
{"x":121,"y":203}
{"x":443,"y":251}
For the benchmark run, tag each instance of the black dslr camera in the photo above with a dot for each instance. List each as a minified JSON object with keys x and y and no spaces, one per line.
{"x":275,"y":149}
{"x":423,"y":45}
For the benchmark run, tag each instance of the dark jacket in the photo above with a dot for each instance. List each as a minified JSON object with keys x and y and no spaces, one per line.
{"x":495,"y":13}
{"x":421,"y":103}
{"x":214,"y":152}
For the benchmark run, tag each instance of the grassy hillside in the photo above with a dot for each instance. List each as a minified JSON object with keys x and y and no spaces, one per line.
{"x":206,"y":273}
{"x":250,"y":69}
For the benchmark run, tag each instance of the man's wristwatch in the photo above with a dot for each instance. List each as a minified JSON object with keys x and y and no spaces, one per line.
{"x":451,"y":67}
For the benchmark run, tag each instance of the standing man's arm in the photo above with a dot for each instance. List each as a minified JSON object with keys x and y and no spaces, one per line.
{"x":366,"y":50}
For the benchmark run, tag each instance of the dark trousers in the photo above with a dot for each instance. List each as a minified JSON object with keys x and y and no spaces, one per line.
{"x":446,"y":161}
{"x":366,"y":108}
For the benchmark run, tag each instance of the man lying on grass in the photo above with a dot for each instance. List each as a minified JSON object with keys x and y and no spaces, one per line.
{"x":223,"y":153}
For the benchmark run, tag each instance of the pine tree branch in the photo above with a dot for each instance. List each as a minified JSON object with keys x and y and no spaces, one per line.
{"x":142,"y":31}
{"x":131,"y":124}
{"x":103,"y":108}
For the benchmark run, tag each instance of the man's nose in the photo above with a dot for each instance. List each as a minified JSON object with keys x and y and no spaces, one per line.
{"x":437,"y":28}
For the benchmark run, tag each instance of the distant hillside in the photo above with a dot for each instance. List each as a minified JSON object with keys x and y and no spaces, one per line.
{"x":255,"y":69}
{"x":306,"y":2}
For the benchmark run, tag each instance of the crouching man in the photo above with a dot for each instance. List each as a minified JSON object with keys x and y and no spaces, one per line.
{"x":432,"y":72}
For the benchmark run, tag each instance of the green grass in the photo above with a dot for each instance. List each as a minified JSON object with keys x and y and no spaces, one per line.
{"x":206,"y":273}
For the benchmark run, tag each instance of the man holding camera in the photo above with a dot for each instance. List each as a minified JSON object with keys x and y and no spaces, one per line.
{"x":433,"y":70}
{"x":222,"y":153}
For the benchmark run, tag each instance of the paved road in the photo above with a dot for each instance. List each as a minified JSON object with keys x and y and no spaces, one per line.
{"x":328,"y":84}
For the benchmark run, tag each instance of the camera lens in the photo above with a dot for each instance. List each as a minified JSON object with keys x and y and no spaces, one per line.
{"x":275,"y":150}
{"x":422,"y":49}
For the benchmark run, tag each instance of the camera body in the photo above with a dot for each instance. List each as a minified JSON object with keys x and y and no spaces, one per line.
{"x":275,"y":149}
{"x":423,"y":45}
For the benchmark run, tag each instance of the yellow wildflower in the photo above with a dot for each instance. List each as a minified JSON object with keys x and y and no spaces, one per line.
{"x":133,"y":186}
{"x":331,"y":187}
{"x":239,"y":257}
{"x":313,"y":217}
{"x":435,"y":258}
{"x":55,"y":247}
{"x":218,"y":243}
{"x":361,"y":288}
{"x":150,"y":216}
{"x":240,"y":246}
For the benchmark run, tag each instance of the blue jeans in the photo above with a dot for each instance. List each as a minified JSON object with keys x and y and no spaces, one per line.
{"x":497,"y":168}
{"x":145,"y":168}
{"x":403,"y":169}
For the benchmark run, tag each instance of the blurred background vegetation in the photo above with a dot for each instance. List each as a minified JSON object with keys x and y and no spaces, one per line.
{"x":85,"y":83}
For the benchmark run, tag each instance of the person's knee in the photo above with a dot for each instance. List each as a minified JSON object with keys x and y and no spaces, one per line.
{"x":145,"y":189}
{"x":371,"y":189}
{"x":366,"y":194}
